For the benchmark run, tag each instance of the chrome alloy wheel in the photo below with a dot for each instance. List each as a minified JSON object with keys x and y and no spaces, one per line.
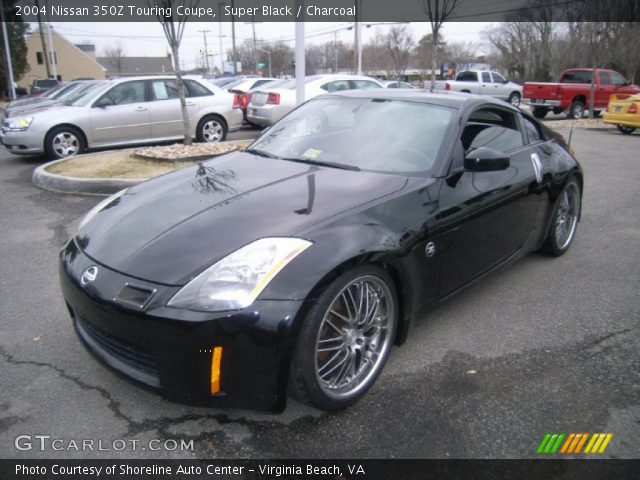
{"x":65,"y":144}
{"x":212,"y":131}
{"x":354,"y":337}
{"x":567,"y":216}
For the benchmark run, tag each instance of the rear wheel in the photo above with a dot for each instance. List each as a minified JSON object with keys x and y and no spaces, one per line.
{"x":514,"y":99}
{"x":345,"y":339}
{"x":64,"y":141}
{"x":576,"y":111}
{"x":565,"y":219}
{"x":540,"y":112}
{"x":211,"y":129}
{"x":625,"y":130}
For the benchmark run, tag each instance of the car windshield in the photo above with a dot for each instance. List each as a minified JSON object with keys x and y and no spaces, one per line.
{"x":223,"y":81}
{"x":82,"y":97}
{"x":360,"y":134}
{"x":57,"y":91}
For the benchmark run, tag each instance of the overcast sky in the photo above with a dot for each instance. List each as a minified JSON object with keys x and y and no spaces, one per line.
{"x":147,"y":38}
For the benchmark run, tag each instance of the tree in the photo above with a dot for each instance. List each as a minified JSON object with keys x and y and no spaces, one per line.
{"x":399,"y":44}
{"x":16,"y":31}
{"x":438,"y":12}
{"x":173,"y":27}
{"x":115,"y":56}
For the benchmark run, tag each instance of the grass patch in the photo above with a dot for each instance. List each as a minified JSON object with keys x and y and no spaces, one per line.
{"x":114,"y":164}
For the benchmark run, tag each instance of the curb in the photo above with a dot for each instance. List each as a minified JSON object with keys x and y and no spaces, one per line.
{"x":84,"y":186}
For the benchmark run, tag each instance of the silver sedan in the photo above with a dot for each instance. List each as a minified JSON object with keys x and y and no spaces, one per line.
{"x":121,"y":112}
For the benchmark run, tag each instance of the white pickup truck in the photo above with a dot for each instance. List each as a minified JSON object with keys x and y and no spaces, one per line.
{"x":484,"y":82}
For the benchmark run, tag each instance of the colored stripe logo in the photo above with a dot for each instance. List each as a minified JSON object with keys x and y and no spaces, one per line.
{"x":572,"y":443}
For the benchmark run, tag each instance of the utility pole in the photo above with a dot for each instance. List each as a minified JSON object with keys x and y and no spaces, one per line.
{"x":220,"y":37}
{"x":7,"y":52}
{"x":206,"y":49}
{"x":300,"y":56}
{"x":358,"y":51}
{"x":233,"y":40}
{"x":335,"y":52}
{"x":253,"y":52}
{"x":44,"y":45}
{"x":52,"y":52}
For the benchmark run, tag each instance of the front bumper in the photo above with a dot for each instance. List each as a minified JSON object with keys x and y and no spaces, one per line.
{"x":170,"y":349}
{"x":22,"y":143}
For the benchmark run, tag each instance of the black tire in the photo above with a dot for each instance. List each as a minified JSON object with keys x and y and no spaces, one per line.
{"x":576,"y":110}
{"x":64,"y":141}
{"x":514,"y":99}
{"x":625,"y":130}
{"x":556,"y":244}
{"x":307,"y":383}
{"x":540,"y":112}
{"x":211,"y":129}
{"x":596,"y":113}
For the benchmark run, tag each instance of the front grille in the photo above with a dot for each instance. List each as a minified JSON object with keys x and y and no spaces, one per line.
{"x":136,"y":357}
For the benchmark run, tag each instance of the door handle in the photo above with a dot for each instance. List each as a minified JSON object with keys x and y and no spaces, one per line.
{"x":141,"y":109}
{"x":190,"y":104}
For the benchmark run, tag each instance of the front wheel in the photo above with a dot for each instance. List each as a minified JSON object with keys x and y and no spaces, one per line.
{"x":211,"y":129}
{"x":625,"y":130}
{"x":565,"y":219}
{"x":63,"y":142}
{"x":514,"y":99}
{"x":345,"y":340}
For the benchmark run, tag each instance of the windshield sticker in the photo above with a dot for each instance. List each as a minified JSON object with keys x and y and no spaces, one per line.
{"x":312,"y":154}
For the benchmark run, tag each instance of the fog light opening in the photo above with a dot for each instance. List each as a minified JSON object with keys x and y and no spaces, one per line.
{"x":216,"y":359}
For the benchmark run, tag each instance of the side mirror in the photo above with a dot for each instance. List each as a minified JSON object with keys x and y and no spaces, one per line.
{"x":485,"y":159}
{"x":506,"y":80}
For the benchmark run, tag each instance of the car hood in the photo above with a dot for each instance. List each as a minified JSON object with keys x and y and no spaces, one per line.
{"x":171,"y":228}
{"x":32,"y":108}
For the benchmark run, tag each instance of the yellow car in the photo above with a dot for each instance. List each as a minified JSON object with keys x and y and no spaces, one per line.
{"x":623,"y":111}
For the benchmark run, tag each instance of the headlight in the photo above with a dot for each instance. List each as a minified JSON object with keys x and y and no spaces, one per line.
{"x":236,"y":281}
{"x":100,"y":206}
{"x":20,"y":124}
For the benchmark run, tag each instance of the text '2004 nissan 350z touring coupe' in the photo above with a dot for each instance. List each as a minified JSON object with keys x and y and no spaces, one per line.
{"x":294,"y":266}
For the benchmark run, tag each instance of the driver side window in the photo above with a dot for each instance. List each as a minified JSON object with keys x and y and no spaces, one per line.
{"x":492,"y":128}
{"x":126,"y":93}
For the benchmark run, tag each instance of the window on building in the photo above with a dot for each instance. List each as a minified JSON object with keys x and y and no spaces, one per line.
{"x":39,"y":58}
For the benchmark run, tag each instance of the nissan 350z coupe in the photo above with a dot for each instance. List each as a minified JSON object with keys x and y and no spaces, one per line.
{"x":294,"y":266}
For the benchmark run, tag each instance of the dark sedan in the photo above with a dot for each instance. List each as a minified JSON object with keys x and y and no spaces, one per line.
{"x":294,"y":266}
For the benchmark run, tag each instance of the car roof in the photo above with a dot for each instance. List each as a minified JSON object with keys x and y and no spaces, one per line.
{"x":444,"y":98}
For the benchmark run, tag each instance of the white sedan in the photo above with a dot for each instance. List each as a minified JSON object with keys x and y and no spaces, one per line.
{"x":269,"y":105}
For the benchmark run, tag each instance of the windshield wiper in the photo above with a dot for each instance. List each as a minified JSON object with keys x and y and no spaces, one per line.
{"x":262,"y":153}
{"x":323,"y":163}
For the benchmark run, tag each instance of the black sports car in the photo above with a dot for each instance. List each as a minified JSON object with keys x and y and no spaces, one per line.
{"x":294,"y":266}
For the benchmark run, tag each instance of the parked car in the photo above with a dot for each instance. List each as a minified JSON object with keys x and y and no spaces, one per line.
{"x":623,"y":111}
{"x":396,"y":84}
{"x":243,"y":87}
{"x":121,"y":112}
{"x":295,"y":265}
{"x":55,"y":96}
{"x":42,"y":85}
{"x":269,"y":105}
{"x":572,"y":92}
{"x":484,"y":82}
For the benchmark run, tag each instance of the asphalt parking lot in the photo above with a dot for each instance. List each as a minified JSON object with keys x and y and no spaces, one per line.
{"x":549,"y":345}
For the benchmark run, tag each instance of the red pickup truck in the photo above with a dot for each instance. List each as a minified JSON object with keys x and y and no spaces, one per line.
{"x":572,"y":93}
